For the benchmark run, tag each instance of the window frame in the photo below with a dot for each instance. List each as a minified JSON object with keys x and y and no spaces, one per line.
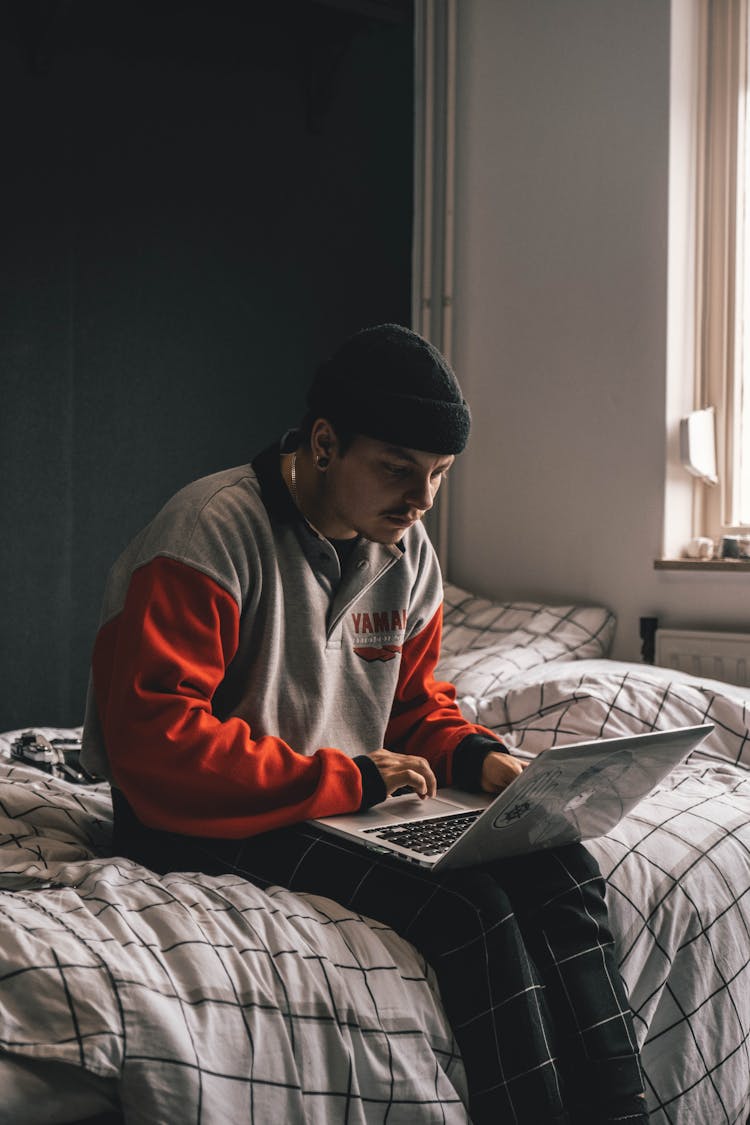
{"x":720,"y":229}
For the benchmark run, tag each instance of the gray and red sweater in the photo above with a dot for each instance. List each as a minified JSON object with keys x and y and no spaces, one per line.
{"x":239,"y":678}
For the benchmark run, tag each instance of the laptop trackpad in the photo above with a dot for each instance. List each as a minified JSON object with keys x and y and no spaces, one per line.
{"x":410,"y":807}
{"x":405,"y":808}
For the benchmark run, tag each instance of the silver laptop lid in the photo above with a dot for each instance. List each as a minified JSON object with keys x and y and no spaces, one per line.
{"x":573,"y":792}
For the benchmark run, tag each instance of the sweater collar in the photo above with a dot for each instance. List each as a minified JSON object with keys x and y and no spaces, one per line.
{"x":267,"y":466}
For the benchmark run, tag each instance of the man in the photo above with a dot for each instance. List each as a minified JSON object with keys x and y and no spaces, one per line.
{"x":266,"y":656}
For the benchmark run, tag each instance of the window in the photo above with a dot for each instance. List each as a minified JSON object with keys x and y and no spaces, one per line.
{"x":723,"y":275}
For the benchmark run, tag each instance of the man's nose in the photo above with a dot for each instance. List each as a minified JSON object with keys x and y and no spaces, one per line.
{"x":421,"y":495}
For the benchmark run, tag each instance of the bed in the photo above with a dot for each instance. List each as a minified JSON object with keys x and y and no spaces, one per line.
{"x":125,"y":996}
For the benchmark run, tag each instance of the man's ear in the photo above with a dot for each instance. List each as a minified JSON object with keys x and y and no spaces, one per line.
{"x":323,"y":442}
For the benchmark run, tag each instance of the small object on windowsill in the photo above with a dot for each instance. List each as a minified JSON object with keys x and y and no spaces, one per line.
{"x":735,"y":547}
{"x":701,"y":547}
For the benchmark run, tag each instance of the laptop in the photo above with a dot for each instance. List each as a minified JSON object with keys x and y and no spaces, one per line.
{"x":567,"y":793}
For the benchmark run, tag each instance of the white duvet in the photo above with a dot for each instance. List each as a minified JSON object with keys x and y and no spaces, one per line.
{"x":204,"y":999}
{"x":678,"y":868}
{"x":197,"y":999}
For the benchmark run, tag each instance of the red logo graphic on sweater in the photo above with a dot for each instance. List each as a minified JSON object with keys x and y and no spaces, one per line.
{"x":378,"y":636}
{"x":390,"y":621}
{"x":370,"y":652}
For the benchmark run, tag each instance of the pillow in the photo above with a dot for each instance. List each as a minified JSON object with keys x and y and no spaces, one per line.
{"x":487,"y":643}
{"x":571,"y":705}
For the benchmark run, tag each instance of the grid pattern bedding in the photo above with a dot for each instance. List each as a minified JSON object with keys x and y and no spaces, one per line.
{"x":204,"y":999}
{"x":486,"y":643}
{"x":678,"y":870}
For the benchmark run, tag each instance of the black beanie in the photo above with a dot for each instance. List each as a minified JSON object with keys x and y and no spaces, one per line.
{"x":389,"y":383}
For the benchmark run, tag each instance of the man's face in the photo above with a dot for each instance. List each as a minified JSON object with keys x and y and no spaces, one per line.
{"x":379,"y":490}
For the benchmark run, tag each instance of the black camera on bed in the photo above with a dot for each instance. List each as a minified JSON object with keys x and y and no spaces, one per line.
{"x":60,"y":757}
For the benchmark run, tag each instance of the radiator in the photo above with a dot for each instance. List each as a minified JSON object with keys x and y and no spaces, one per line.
{"x":718,"y":656}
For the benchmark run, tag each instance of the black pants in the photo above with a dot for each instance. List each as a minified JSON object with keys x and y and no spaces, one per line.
{"x":521,"y":948}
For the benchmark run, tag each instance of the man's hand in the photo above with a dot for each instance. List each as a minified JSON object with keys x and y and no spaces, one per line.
{"x":498,"y":770}
{"x":403,"y":770}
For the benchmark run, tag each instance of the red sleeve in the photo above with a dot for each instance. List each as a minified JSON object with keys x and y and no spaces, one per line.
{"x":425,"y":718}
{"x":156,"y":667}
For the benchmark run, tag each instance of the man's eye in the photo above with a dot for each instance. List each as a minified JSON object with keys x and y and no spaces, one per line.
{"x":396,"y":470}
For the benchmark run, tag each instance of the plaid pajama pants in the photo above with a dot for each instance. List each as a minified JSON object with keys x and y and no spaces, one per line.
{"x":521,"y":948}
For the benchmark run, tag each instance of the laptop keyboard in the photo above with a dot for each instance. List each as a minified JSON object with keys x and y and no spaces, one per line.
{"x":428,"y":837}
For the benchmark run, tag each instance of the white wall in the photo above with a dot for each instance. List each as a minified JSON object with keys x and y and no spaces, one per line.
{"x":561,"y":312}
